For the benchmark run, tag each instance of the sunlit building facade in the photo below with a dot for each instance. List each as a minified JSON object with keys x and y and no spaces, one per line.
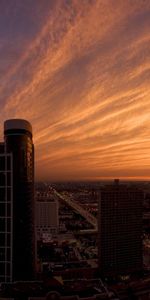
{"x":120,"y":230}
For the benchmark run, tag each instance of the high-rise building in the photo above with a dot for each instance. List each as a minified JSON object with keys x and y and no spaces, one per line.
{"x":120,"y":230}
{"x":17,"y":189}
{"x":47,"y":221}
{"x":6,"y":196}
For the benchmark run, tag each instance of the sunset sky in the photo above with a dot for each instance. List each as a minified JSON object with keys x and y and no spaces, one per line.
{"x":79,"y":71}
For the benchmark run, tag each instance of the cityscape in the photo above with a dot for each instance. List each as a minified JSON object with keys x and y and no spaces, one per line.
{"x":74,"y":150}
{"x":64,"y":239}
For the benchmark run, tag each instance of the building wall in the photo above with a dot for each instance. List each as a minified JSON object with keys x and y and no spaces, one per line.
{"x":46,"y":216}
{"x":6,"y":220}
{"x":18,"y":142}
{"x":120,"y":230}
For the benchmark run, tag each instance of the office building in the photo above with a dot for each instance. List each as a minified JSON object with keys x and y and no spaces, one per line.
{"x":17,"y":187}
{"x":120,"y":230}
{"x":47,"y":221}
{"x":6,"y":196}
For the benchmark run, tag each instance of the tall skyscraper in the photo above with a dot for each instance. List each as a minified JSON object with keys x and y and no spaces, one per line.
{"x":6,"y":229}
{"x":120,"y":230}
{"x":17,"y":186}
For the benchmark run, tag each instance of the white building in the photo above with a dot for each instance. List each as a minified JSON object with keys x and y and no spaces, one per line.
{"x":47,"y":221}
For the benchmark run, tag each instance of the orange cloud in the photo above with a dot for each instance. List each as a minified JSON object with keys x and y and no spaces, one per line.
{"x":83,"y":82}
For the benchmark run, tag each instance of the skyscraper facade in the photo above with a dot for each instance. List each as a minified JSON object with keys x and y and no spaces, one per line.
{"x":6,"y":220}
{"x":120,"y":230}
{"x":18,"y":146}
{"x":47,"y":219}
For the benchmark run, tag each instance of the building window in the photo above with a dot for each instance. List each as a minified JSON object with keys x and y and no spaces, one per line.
{"x":2,"y":267}
{"x":8,"y":179}
{"x":8,"y":194}
{"x":2,"y":224}
{"x":2,"y":209}
{"x":2,"y":179}
{"x":8,"y":163}
{"x":2,"y":254}
{"x":2,"y":163}
{"x":2,"y":194}
{"x":2,"y":239}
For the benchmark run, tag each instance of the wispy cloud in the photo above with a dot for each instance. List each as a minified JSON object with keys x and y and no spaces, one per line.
{"x":82,"y":78}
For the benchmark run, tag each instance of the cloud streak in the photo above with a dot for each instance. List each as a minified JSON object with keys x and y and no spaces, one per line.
{"x":82,"y":79}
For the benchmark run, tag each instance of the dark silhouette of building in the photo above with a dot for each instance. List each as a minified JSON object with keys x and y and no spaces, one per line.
{"x":120,"y":229}
{"x":5,"y":215}
{"x":18,"y":187}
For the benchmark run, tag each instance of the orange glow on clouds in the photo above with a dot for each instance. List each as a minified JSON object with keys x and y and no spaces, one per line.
{"x":82,"y":80}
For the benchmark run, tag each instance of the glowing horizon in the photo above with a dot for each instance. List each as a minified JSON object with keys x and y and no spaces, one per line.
{"x":79,"y":71}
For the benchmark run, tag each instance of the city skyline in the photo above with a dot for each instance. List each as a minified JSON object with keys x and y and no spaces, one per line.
{"x":79,"y":72}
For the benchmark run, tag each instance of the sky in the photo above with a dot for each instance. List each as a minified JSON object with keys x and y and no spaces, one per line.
{"x":79,"y":71}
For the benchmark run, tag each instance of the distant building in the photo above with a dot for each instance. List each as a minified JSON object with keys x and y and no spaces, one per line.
{"x":120,"y":229}
{"x":47,"y":221}
{"x":17,"y":244}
